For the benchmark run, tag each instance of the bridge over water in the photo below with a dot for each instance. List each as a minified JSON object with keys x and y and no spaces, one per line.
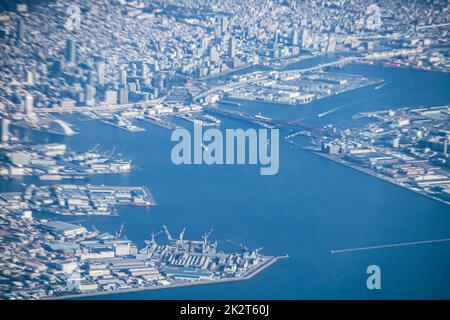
{"x":266,"y":122}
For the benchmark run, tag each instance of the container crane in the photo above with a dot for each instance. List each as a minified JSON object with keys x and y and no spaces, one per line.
{"x":205,"y":237}
{"x":168,"y":235}
{"x":119,"y":234}
{"x":239,"y":245}
{"x":182,"y":235}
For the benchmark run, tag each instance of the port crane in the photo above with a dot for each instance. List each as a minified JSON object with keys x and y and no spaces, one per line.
{"x":208,"y":247}
{"x":151,"y":244}
{"x":119,"y":234}
{"x":182,"y":235}
{"x":95,"y":148}
{"x":152,"y":238}
{"x":240,"y":245}
{"x":205,"y":237}
{"x":255,"y":253}
{"x":95,"y":229}
{"x":153,"y":235}
{"x":112,"y":151}
{"x":258,"y":250}
{"x":168,"y":235}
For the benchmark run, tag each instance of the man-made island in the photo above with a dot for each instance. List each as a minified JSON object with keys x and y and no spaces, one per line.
{"x":408,"y":147}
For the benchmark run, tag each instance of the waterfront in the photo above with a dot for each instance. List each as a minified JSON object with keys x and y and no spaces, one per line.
{"x":310,"y":207}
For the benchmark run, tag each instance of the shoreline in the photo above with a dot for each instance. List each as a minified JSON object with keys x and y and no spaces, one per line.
{"x":245,"y":276}
{"x":374,"y":174}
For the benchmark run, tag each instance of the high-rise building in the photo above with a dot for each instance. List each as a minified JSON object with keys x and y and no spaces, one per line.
{"x":58,"y":65}
{"x":30,"y":80}
{"x":204,"y":45}
{"x":155,"y":92}
{"x":305,"y":38}
{"x":123,"y":76}
{"x":5,"y":130}
{"x":275,"y":47}
{"x":156,"y":66}
{"x":295,"y":37}
{"x":19,"y":30}
{"x":91,"y":78}
{"x":214,"y":55}
{"x":231,"y":47}
{"x":123,"y":95}
{"x":331,"y":43}
{"x":111,"y":97}
{"x":217,"y":30}
{"x":90,"y":95}
{"x":100,"y":68}
{"x":29,"y":105}
{"x":144,"y":70}
{"x":224,"y":24}
{"x":70,"y":51}
{"x":396,"y":142}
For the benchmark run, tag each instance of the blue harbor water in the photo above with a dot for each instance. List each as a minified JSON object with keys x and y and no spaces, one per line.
{"x":310,"y":207}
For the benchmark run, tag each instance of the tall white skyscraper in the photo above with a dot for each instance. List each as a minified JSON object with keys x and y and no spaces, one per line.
{"x":5,"y":130}
{"x":123,"y":76}
{"x":224,"y":24}
{"x":231,"y":47}
{"x":305,"y":38}
{"x":90,"y":95}
{"x":111,"y":97}
{"x":275,"y":46}
{"x":123,"y":95}
{"x":29,"y":105}
{"x":331,"y":43}
{"x":295,"y":37}
{"x":144,"y":70}
{"x":214,"y":55}
{"x":100,"y":68}
{"x":204,"y":45}
{"x":30,"y":80}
